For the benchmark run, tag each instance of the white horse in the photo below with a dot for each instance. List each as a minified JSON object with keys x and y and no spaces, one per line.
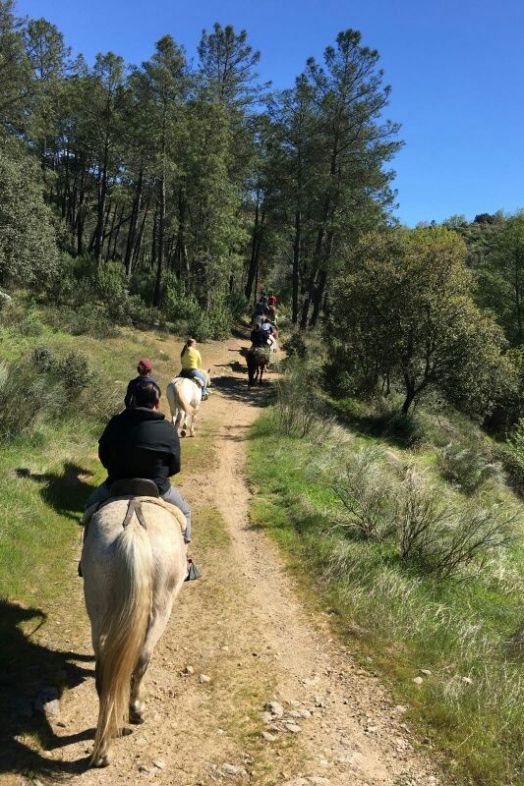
{"x":184,"y":396}
{"x":133,"y":564}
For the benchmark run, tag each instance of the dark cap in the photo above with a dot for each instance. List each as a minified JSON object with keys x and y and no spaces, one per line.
{"x":144,"y":365}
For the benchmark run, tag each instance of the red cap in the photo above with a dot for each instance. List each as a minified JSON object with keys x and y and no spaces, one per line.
{"x":145,"y":365}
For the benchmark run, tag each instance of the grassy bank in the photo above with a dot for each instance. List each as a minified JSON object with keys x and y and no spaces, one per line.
{"x":48,"y":469}
{"x":463,"y":630}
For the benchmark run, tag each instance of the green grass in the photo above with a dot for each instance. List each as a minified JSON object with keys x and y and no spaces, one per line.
{"x":405,"y":620}
{"x":47,"y":472}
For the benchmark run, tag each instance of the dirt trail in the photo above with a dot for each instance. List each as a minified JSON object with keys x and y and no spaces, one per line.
{"x":239,"y":638}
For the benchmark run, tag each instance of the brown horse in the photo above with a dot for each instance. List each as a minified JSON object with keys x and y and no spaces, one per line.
{"x":257,"y":359}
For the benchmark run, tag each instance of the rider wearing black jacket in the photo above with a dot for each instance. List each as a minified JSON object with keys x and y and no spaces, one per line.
{"x":141,"y":443}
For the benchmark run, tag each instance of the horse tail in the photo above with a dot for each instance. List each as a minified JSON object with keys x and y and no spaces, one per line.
{"x":171,"y":398}
{"x":124,"y":628}
{"x":188,"y":408}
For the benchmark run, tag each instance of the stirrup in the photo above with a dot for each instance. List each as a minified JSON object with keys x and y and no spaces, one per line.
{"x":193,"y":572}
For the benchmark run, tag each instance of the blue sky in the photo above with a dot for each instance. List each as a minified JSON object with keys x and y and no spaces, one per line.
{"x":456,"y":68}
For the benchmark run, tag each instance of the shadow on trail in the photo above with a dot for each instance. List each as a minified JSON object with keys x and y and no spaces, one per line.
{"x":238,"y":390}
{"x":65,"y":492}
{"x":27,"y":670}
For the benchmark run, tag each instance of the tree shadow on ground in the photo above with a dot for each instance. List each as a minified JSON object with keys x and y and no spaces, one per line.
{"x":238,"y":390}
{"x":27,"y":668}
{"x":66,"y":492}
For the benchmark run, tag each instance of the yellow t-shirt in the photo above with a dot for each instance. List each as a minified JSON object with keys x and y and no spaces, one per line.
{"x":191,"y":359}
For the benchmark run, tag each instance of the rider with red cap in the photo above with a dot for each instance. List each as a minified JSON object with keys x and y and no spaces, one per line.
{"x":144,"y":369}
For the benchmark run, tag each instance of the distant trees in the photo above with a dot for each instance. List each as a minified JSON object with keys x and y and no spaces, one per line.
{"x":28,"y":250}
{"x":500,"y":275}
{"x":193,"y":178}
{"x":403,"y":314}
{"x":326,"y":182}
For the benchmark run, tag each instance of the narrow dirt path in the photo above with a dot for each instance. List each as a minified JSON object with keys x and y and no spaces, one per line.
{"x":239,"y":639}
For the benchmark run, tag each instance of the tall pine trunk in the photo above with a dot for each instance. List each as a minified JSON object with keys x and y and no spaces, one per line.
{"x":295,"y":278}
{"x":133,"y":225}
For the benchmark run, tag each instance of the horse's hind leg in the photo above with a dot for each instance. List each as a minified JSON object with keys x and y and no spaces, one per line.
{"x":183,"y":423}
{"x":136,"y":699}
{"x":160,"y":619}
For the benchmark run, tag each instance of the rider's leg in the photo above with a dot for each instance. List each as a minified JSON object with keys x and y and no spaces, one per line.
{"x":175,"y":498}
{"x":203,"y":378}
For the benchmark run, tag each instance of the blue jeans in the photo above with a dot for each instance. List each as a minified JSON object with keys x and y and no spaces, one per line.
{"x":198,"y":374}
{"x":172,"y":496}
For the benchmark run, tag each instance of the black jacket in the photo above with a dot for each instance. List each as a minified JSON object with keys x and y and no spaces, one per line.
{"x":259,"y":338}
{"x":140,"y":443}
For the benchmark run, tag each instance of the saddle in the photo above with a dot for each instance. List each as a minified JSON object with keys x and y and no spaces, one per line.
{"x":186,"y":374}
{"x":136,"y":491}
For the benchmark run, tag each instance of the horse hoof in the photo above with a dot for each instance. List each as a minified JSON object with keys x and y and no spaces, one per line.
{"x":101,"y":761}
{"x":136,"y":717}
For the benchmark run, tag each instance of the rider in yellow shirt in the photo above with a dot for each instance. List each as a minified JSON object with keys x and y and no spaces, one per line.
{"x":192,"y":365}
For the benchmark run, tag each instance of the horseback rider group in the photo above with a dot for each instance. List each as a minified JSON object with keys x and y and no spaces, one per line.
{"x":264,"y":334}
{"x":141,"y":443}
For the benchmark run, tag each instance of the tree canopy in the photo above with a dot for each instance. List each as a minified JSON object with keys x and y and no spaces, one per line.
{"x":404,"y":312}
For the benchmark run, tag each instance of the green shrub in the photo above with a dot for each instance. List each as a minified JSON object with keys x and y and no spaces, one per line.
{"x":62,"y":286}
{"x":220,"y":320}
{"x":516,"y":444}
{"x":142,"y":315}
{"x":44,"y":360}
{"x":113,"y":288}
{"x":297,"y":402}
{"x":86,"y":319}
{"x":237,"y":304}
{"x":71,"y":371}
{"x":198,"y":326}
{"x":31,"y":326}
{"x":404,"y":429}
{"x":104,"y":401}
{"x":74,"y":372}
{"x":440,"y":538}
{"x":465,"y":467}
{"x":25,"y":393}
{"x":365,"y":491}
{"x":295,"y":346}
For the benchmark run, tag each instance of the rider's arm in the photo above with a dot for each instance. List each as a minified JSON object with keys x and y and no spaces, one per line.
{"x":103,"y":449}
{"x":174,"y":454}
{"x":129,"y":394}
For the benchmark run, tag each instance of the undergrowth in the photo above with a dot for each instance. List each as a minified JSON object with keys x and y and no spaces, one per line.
{"x":420,"y":572}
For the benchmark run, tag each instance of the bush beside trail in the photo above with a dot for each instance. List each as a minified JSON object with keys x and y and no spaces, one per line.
{"x":413,"y":539}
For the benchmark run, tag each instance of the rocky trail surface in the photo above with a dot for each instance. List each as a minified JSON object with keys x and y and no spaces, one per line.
{"x":248,"y":684}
